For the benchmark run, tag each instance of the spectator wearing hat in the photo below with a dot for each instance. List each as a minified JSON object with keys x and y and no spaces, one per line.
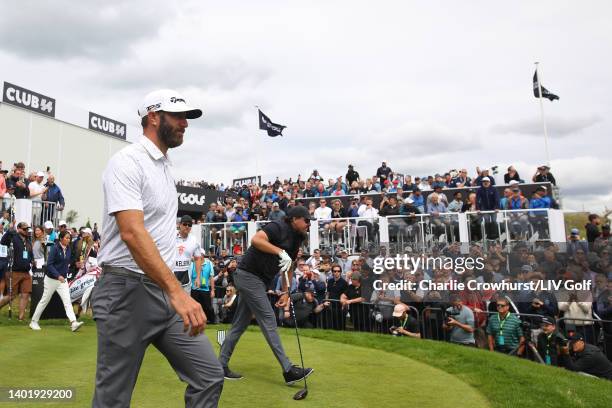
{"x":50,"y":233}
{"x":406,"y":325}
{"x":85,"y":248}
{"x":482,"y":174}
{"x":549,"y":342}
{"x":543,"y":175}
{"x":276,"y":214}
{"x":305,"y":308}
{"x":587,"y":358}
{"x":418,"y":200}
{"x":23,"y":261}
{"x":575,"y":243}
{"x":435,"y":207}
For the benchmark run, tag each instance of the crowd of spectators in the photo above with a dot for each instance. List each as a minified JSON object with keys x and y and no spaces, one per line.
{"x":338,"y":292}
{"x":385,"y":180}
{"x":39,"y":186}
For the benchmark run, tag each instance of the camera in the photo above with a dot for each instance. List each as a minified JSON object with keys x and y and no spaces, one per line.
{"x":448,"y":315}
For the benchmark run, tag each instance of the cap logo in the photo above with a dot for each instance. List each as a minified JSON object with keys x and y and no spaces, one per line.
{"x":153,"y":107}
{"x":174,"y":99}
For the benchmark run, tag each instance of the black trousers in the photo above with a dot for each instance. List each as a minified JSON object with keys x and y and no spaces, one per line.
{"x":204,"y":299}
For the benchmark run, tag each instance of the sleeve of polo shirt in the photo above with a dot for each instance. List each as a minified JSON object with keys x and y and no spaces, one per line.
{"x":272,"y":230}
{"x":197,"y":252}
{"x":122,"y":185}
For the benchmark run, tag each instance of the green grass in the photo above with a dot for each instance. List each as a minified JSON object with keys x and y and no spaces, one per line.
{"x":345,"y":375}
{"x":505,"y":381}
{"x":351,"y":370}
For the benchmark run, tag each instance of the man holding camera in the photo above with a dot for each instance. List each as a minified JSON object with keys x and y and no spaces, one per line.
{"x":409,"y":326}
{"x":585,"y":358}
{"x":460,"y":322}
{"x":549,"y":341}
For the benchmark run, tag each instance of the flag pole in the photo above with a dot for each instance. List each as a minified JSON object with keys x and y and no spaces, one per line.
{"x":542,"y":114}
{"x":257,"y":146}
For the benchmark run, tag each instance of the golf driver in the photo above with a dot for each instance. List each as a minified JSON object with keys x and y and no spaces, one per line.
{"x":301,"y":394}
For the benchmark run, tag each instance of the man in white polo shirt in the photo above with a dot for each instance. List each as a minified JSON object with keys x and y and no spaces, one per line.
{"x":187,"y":250}
{"x":138,"y":301}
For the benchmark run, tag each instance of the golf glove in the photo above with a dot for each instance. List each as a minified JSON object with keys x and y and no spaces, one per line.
{"x":285,"y":262}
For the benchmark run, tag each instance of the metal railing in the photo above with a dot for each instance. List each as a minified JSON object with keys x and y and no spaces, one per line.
{"x":418,"y":232}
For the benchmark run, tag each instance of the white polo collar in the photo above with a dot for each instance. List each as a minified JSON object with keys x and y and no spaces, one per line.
{"x":153,"y":150}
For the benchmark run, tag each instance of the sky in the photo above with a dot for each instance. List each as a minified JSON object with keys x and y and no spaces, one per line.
{"x":425,"y":86}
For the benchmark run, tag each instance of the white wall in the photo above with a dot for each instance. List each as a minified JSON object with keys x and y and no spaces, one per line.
{"x":77,"y":156}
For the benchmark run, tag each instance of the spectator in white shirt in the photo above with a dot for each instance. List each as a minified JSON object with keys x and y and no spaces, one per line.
{"x":323,"y":212}
{"x":37,"y":189}
{"x":371,"y":214}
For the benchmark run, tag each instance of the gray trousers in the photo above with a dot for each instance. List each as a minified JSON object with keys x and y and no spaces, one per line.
{"x":132,"y":312}
{"x":253,"y":300}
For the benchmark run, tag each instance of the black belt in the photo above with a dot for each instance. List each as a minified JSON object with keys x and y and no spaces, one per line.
{"x":120,"y":271}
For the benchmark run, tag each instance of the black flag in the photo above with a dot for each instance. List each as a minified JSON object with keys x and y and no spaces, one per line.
{"x":266,"y":124}
{"x":545,"y":93}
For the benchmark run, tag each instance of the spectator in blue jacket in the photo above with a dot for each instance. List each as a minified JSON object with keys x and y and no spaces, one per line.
{"x":539,"y":218}
{"x":52,"y":195}
{"x":56,"y":280}
{"x":487,"y":199}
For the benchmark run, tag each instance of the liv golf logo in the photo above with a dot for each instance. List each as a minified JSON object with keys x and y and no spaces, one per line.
{"x":191,"y":199}
{"x":107,"y":126}
{"x":30,"y":100}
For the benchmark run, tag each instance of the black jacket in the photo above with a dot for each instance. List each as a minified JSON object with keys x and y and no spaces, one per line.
{"x":21,"y":263}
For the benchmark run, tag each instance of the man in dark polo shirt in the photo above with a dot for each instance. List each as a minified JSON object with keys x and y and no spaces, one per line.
{"x":353,"y":300}
{"x":333,"y":318}
{"x":305,"y":307}
{"x":22,"y":263}
{"x":273,"y":250}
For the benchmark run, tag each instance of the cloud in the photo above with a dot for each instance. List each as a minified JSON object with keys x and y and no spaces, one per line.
{"x":64,"y":29}
{"x":558,"y":127}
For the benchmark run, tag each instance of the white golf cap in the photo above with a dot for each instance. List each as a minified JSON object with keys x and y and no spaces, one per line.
{"x":62,"y":222}
{"x":40,"y":174}
{"x":48,"y":225}
{"x":408,"y":200}
{"x":513,"y":182}
{"x":486,"y":179}
{"x":86,"y":231}
{"x":167,"y":100}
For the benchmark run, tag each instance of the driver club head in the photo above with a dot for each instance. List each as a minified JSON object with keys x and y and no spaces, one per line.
{"x":301,"y":394}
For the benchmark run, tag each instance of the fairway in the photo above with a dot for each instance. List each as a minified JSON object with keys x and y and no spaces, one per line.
{"x":345,"y":375}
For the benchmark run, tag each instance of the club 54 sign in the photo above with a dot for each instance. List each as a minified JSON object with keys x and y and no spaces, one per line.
{"x":107,"y":126}
{"x":26,"y":99}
